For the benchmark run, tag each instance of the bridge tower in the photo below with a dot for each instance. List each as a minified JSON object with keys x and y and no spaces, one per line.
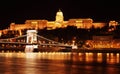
{"x":31,"y":39}
{"x":31,"y":36}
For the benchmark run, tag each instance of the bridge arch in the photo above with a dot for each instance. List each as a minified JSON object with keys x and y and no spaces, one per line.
{"x":31,"y":38}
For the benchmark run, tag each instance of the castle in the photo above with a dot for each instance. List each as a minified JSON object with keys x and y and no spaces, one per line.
{"x":59,"y":22}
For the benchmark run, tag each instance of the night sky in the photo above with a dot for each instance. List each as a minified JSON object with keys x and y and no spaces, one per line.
{"x":18,"y":11}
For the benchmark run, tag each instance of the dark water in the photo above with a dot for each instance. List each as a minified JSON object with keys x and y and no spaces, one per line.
{"x":59,"y":63}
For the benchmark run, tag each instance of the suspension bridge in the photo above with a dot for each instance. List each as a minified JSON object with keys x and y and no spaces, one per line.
{"x":31,"y":41}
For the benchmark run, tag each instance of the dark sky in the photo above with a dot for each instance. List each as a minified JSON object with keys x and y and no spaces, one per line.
{"x":18,"y":11}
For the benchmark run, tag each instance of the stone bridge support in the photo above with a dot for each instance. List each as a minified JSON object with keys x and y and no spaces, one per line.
{"x":31,"y":39}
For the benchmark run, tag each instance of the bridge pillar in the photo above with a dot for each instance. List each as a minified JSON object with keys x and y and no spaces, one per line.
{"x":31,"y":39}
{"x":31,"y":36}
{"x":74,"y":46}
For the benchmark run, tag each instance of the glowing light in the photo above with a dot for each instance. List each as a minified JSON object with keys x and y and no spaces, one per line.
{"x":29,"y":48}
{"x":30,"y":31}
{"x":99,"y":57}
{"x":89,"y":57}
{"x":31,"y":55}
{"x":118,"y":58}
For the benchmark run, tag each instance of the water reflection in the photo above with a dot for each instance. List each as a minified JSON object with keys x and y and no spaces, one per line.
{"x":113,"y":58}
{"x":110,"y":58}
{"x":60,"y":63}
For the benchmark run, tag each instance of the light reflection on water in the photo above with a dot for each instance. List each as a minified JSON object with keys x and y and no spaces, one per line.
{"x":59,"y":62}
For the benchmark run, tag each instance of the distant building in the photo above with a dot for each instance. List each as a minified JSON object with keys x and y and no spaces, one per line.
{"x":99,"y":24}
{"x":103,"y":42}
{"x":81,"y":22}
{"x":59,"y":22}
{"x":113,"y":23}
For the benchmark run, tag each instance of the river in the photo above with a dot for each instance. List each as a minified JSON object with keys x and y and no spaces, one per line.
{"x":59,"y":63}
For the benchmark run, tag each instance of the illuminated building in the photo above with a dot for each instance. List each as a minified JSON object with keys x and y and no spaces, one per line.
{"x":98,"y":24}
{"x":59,"y":19}
{"x":81,"y":23}
{"x":59,"y":22}
{"x":103,"y":42}
{"x":113,"y":23}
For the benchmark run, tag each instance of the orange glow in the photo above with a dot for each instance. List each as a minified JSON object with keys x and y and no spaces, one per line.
{"x":99,"y":57}
{"x":54,"y":55}
{"x":59,"y":22}
{"x":113,"y":58}
{"x":109,"y":58}
{"x":89,"y":57}
{"x":118,"y":58}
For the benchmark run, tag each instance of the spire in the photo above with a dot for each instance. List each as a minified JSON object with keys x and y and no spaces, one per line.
{"x":59,"y":10}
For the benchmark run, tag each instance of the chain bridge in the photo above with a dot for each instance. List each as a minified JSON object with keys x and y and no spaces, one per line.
{"x":31,"y":41}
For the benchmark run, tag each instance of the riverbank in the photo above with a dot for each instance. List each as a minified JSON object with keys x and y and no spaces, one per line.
{"x":98,"y":50}
{"x":80,"y":50}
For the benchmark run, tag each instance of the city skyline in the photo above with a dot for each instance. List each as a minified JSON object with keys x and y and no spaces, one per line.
{"x":19,"y":11}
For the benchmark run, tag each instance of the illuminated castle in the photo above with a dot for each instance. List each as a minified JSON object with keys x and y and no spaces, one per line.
{"x":59,"y":22}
